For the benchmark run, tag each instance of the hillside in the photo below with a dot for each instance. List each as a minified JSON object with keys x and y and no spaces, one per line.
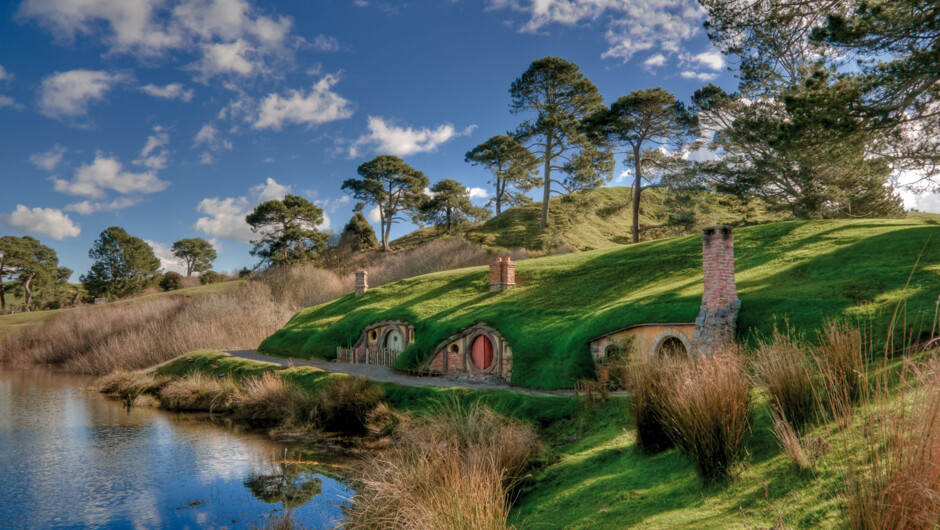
{"x":602,"y":218}
{"x":802,"y":272}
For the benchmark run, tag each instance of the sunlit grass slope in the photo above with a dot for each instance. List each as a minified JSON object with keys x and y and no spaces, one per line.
{"x":599,"y":219}
{"x":804,"y":272}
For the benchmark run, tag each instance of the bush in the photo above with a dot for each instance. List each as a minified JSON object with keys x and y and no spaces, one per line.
{"x":706,"y":411}
{"x":198,"y":392}
{"x":645,"y":386}
{"x":784,"y":367}
{"x":343,"y":405}
{"x":171,"y":281}
{"x":211,"y":277}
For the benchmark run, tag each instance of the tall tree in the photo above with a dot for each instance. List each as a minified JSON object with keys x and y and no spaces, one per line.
{"x":450,"y":205}
{"x":513,"y":166}
{"x":560,"y":96}
{"x":396,"y":188}
{"x":33,"y":265}
{"x":123,"y":264}
{"x":644,"y":122}
{"x":358,"y":234}
{"x":197,"y":253}
{"x":288,"y":230}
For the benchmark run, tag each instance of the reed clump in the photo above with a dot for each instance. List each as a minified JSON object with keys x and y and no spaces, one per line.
{"x":267,"y":399}
{"x":789,"y":374}
{"x":646,"y":384}
{"x":199,"y":392}
{"x":344,"y":405}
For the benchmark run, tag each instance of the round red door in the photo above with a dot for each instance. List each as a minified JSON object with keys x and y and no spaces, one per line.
{"x":482,"y":352}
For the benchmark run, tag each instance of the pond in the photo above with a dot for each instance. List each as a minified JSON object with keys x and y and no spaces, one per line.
{"x":74,"y":459}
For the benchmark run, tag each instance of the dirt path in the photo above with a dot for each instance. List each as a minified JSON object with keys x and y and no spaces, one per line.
{"x":387,"y":375}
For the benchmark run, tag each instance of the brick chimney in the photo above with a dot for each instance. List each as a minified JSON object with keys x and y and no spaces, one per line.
{"x":502,"y":274}
{"x":718,"y":314}
{"x":362,"y":282}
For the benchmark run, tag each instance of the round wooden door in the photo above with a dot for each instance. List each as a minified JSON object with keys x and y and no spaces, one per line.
{"x":482,"y":352}
{"x":394,"y":341}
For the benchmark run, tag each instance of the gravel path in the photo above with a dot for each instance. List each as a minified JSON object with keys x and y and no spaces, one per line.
{"x":387,"y":375}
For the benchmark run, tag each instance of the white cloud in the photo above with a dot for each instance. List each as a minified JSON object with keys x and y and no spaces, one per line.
{"x":479,"y":193}
{"x":48,"y":160}
{"x":384,"y":137}
{"x":374,"y":215}
{"x":712,"y":60}
{"x":655,"y":60}
{"x":631,"y":26}
{"x":107,"y":173}
{"x":158,"y":139}
{"x":4,"y":75}
{"x":924,"y":202}
{"x":326,"y":43}
{"x":168,"y":262}
{"x":206,"y":158}
{"x":7,"y":101}
{"x":225,"y":217}
{"x":152,"y":28}
{"x":321,"y":105}
{"x":270,"y":190}
{"x":701,"y":76}
{"x":68,"y":94}
{"x":89,"y":207}
{"x":48,"y":221}
{"x":170,"y":91}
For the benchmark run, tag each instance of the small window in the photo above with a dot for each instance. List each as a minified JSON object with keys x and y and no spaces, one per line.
{"x":454,"y":348}
{"x":373,"y":334}
{"x":671,"y":347}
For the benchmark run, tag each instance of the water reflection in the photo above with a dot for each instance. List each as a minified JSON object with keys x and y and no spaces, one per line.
{"x":72,"y":459}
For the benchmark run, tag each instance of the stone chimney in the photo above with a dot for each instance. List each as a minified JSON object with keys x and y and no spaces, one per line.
{"x":502,"y":274}
{"x":362,"y":282}
{"x":718,"y":314}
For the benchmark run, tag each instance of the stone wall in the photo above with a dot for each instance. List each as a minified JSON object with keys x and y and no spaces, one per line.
{"x":718,"y":314}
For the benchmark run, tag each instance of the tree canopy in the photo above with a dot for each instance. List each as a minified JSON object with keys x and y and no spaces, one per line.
{"x":358,"y":234}
{"x":123,"y":265}
{"x":645,"y":123}
{"x":31,"y":266}
{"x":287,"y":229}
{"x":197,"y":253}
{"x":514,"y":169}
{"x":450,"y":206}
{"x":557,"y":97}
{"x":396,"y":188}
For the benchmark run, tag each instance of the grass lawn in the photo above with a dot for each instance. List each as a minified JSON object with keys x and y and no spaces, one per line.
{"x":800,"y":272}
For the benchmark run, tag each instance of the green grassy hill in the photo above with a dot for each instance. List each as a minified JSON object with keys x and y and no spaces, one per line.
{"x":804,"y":272}
{"x":602,"y":218}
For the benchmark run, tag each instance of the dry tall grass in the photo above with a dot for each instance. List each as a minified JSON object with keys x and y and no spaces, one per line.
{"x":842,"y":364}
{"x":343,"y":405}
{"x":267,"y":399}
{"x":198,"y":392}
{"x":786,"y":369}
{"x":450,"y":470}
{"x":706,"y":410}
{"x":131,"y":336}
{"x":646,"y":386}
{"x":895,"y":483}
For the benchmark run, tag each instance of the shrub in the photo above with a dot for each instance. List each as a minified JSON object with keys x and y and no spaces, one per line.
{"x":267,"y":399}
{"x":706,"y":411}
{"x":211,"y":277}
{"x":129,"y":385}
{"x":198,"y":392}
{"x":645,"y":386}
{"x":343,"y":405}
{"x":784,"y":367}
{"x":171,"y":281}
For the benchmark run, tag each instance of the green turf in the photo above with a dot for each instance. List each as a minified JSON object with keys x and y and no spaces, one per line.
{"x":602,"y":218}
{"x":802,"y":272}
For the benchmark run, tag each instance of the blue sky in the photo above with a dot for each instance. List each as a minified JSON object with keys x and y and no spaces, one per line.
{"x":173,"y":118}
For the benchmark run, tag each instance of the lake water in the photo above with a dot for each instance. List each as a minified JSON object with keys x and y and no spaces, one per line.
{"x":74,"y":459}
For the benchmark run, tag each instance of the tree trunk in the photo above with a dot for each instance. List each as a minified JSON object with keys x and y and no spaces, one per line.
{"x":499,"y":194}
{"x":29,"y":290}
{"x":3,"y":297}
{"x":548,"y":181}
{"x":637,"y":187}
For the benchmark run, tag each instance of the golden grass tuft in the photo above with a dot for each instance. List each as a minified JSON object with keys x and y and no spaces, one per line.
{"x":267,"y":399}
{"x":198,"y":392}
{"x":645,"y":383}
{"x":788,"y":372}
